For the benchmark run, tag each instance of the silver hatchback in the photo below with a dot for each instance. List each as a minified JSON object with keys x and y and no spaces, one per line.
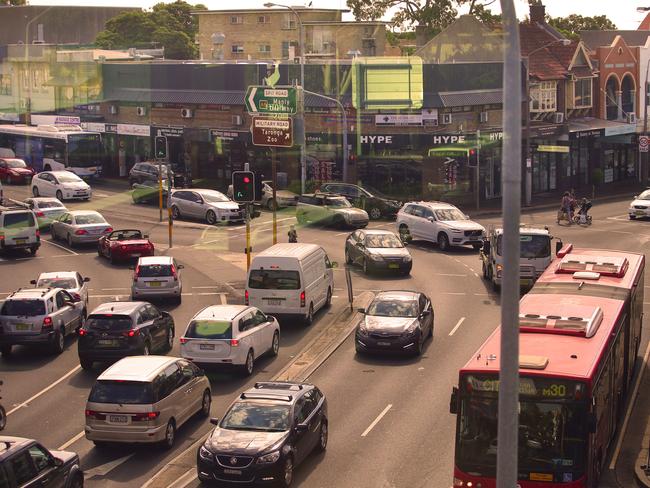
{"x":157,"y":277}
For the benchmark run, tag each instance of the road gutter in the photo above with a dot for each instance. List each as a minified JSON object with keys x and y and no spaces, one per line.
{"x":181,"y":471}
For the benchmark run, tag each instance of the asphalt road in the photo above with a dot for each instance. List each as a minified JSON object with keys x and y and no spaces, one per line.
{"x":389,"y":419}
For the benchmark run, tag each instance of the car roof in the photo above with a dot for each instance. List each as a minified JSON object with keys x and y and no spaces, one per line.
{"x":286,"y":392}
{"x":44,"y":199}
{"x":10,"y":444}
{"x":84,"y":212}
{"x":137,"y":368}
{"x":205,"y":190}
{"x":60,"y":172}
{"x":146,"y":260}
{"x":220,"y":312}
{"x":285,"y":250}
{"x":58,"y":274}
{"x":31,"y":293}
{"x":398,"y":295}
{"x":121,"y":308}
{"x":434,"y":205}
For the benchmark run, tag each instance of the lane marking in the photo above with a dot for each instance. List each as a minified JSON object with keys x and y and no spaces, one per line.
{"x":458,"y":324}
{"x":60,"y":247}
{"x":628,"y":413}
{"x":184,"y":480}
{"x":114,"y":289}
{"x":63,"y":447}
{"x":376,"y":421}
{"x":104,"y":469}
{"x":451,"y":274}
{"x":203,"y":287}
{"x":454,"y":293}
{"x":45,"y":390}
{"x":476,"y":274}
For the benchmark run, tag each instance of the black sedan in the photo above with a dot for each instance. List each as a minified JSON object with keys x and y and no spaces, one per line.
{"x":371,"y":200}
{"x":264,"y":435}
{"x":376,"y":250}
{"x":395,"y":321}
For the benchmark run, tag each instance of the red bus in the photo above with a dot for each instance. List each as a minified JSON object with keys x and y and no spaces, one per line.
{"x":578,"y":338}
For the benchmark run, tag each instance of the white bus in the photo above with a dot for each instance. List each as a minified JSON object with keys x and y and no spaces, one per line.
{"x":54,"y":147}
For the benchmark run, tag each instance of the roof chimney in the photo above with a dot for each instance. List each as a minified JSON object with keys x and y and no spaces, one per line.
{"x":538,"y":13}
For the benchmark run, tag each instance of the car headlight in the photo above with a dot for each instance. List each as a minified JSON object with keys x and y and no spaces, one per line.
{"x":204,"y":453}
{"x":362,"y":329}
{"x":406,"y":259}
{"x":271,"y":457}
{"x":412,"y":328}
{"x":455,"y":230}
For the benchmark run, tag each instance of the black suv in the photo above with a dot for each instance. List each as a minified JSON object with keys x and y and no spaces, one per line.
{"x":147,"y":172}
{"x":265,"y":433}
{"x":24,"y":462}
{"x":118,"y":329}
{"x":372,"y":202}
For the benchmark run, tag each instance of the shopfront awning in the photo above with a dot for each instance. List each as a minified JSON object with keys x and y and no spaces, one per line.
{"x":590,"y":126}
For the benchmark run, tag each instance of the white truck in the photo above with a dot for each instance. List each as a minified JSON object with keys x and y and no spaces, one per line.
{"x":535,"y":254}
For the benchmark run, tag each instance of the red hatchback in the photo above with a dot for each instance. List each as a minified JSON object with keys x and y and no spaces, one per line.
{"x":124,"y":245}
{"x":14,"y":170}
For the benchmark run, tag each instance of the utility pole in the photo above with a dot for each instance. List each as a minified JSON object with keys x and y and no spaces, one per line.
{"x":274,"y":177}
{"x":508,"y":416}
{"x":248,"y":227}
{"x":160,"y":190}
{"x":478,"y":168}
{"x":170,"y":221}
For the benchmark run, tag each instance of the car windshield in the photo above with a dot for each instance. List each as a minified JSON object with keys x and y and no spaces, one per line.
{"x":254,"y":416}
{"x":644,"y":196}
{"x":126,"y":392}
{"x":54,"y":282}
{"x":108,"y":322}
{"x":209,"y":329}
{"x":274,"y":279}
{"x":153,"y":270}
{"x":19,"y":220}
{"x":23,"y":308}
{"x":531,"y":246}
{"x":337,"y":202}
{"x":214,"y":197}
{"x":450,"y":214}
{"x":15,"y":163}
{"x":71,"y":178}
{"x":43,"y":205}
{"x":383,"y":240}
{"x":393,"y":308}
{"x":89,"y":219}
{"x":123,"y":235}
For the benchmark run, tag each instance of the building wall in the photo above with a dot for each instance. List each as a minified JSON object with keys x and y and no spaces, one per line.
{"x":617,"y":61}
{"x":339,"y":39}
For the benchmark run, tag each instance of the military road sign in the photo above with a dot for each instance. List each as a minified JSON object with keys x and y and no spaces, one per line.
{"x":272,"y":132}
{"x":267,"y":100}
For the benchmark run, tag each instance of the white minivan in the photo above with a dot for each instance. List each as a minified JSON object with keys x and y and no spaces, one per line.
{"x":291,"y":280}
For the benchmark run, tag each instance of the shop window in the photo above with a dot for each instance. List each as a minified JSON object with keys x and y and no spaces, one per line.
{"x":285,"y":48}
{"x":582,"y":93}
{"x":264,"y":48}
{"x":289,"y":22}
{"x":543,"y":97}
{"x":237,"y":48}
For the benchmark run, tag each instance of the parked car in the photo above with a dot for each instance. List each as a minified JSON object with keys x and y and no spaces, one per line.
{"x":376,"y":250}
{"x":71,"y":281}
{"x":149,"y":192}
{"x":157,"y":277}
{"x":39,"y":316}
{"x":124,"y":244}
{"x":209,"y":205}
{"x":329,"y":209}
{"x":80,"y":227}
{"x":640,"y":206}
{"x":19,"y":230}
{"x":64,"y":185}
{"x":264,"y":435}
{"x":46,"y":209}
{"x":438,"y":222}
{"x":233,"y":335}
{"x":13,"y":170}
{"x":145,"y":399}
{"x":371,"y":201}
{"x":115,"y":330}
{"x":290,"y":280}
{"x":395,"y":321}
{"x":148,"y":171}
{"x":27,"y":463}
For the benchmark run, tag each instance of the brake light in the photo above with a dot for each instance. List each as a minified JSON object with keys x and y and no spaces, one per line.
{"x":234,"y":342}
{"x":137,"y":273}
{"x":81,"y":232}
{"x":2,"y":237}
{"x":302,"y":298}
{"x":246,"y":297}
{"x":131,"y":333}
{"x":47,"y":322}
{"x":123,"y":247}
{"x":83,"y":332}
{"x":174,"y":273}
{"x":40,"y":214}
{"x":183,"y":340}
{"x":109,"y":229}
{"x":97,"y":415}
{"x":140,"y":417}
{"x":38,"y":233}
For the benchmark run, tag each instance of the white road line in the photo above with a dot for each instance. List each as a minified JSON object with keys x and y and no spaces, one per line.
{"x":104,"y":469}
{"x":376,"y":421}
{"x":204,"y":287}
{"x":450,"y":274}
{"x":621,"y":232}
{"x":63,"y":447}
{"x":342,"y":234}
{"x":454,"y":293}
{"x":184,"y":480}
{"x":205,"y":293}
{"x":476,"y":274}
{"x":60,"y":247}
{"x":460,"y":321}
{"x":621,"y":434}
{"x":114,"y":289}
{"x":45,"y":390}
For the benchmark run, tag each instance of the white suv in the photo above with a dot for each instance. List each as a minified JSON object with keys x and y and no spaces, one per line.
{"x":438,"y":222}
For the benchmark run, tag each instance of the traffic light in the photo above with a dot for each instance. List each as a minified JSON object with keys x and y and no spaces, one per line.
{"x":243,"y":186}
{"x":160,"y":147}
{"x":259,"y":188}
{"x":472,"y":158}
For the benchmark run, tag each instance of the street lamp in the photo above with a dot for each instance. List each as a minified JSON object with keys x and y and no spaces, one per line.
{"x":529,"y":168}
{"x":303,"y":167}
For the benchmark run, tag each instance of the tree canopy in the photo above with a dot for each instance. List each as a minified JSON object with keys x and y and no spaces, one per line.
{"x":170,"y":25}
{"x":571,"y":25}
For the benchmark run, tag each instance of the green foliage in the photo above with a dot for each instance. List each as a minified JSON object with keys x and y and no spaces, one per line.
{"x":13,"y":2}
{"x":571,"y":25}
{"x":168,"y":24}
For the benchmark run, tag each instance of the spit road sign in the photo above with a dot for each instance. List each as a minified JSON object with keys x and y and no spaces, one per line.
{"x":272,"y":132}
{"x":267,"y":100}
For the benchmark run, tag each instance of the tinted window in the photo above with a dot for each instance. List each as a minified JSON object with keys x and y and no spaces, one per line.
{"x":68,"y":178}
{"x":129,"y":392}
{"x":27,"y":308}
{"x":209,"y":329}
{"x":22,"y":467}
{"x":383,"y":240}
{"x":108,"y":322}
{"x":41,"y":458}
{"x":252,"y":416}
{"x":65,"y":283}
{"x":394,"y":308}
{"x":18,"y":220}
{"x":89,"y":219}
{"x":124,"y":235}
{"x":274,"y":279}
{"x":4,"y":480}
{"x":152,"y":270}
{"x":450,"y":214}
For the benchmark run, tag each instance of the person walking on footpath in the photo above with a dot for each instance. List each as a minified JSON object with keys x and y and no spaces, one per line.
{"x":293,"y":234}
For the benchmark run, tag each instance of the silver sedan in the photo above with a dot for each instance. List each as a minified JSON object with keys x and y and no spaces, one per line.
{"x":80,"y":226}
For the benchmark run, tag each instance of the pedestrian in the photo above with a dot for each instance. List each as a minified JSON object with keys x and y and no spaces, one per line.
{"x":565,"y":207}
{"x":293,"y":234}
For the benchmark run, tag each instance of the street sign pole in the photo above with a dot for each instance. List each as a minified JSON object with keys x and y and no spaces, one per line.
{"x":248,"y":228}
{"x":160,"y":190}
{"x":478,"y":168}
{"x":274,"y":177}
{"x":170,"y":221}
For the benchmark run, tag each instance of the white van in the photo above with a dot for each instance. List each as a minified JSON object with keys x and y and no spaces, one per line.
{"x":292,"y":279}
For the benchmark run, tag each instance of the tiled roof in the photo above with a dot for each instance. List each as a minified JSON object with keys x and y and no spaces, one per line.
{"x":544,"y":64}
{"x":596,"y":39}
{"x":473,"y":97}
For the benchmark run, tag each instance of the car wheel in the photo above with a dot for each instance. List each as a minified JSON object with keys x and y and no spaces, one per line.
{"x":270,"y":204}
{"x":322,"y":437}
{"x":206,"y":402}
{"x":77,"y":482}
{"x":632,"y":217}
{"x":249,"y":365}
{"x":59,"y":195}
{"x":287,"y":472}
{"x":348,"y":258}
{"x":328,"y":300}
{"x":169,"y":342}
{"x":6,"y":350}
{"x":69,"y":241}
{"x":211,"y":217}
{"x":404,"y":234}
{"x":170,"y":435}
{"x":275,"y":344}
{"x":375,"y":213}
{"x":477,"y":247}
{"x":10,"y":180}
{"x":100,"y":253}
{"x":417,"y":352}
{"x":3,"y":418}
{"x":35,"y":191}
{"x":443,"y":241}
{"x":86,"y":364}
{"x":176,"y":214}
{"x":32,"y":250}
{"x":309,"y":318}
{"x":59,"y":341}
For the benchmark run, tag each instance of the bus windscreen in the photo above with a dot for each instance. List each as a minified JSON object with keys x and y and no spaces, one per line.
{"x":84,"y":150}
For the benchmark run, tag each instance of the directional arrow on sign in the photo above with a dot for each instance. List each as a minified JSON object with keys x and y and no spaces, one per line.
{"x":271,"y":100}
{"x":251,"y":98}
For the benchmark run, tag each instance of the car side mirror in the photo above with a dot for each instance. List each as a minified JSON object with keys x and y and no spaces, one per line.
{"x":32,"y":282}
{"x":180,"y":266}
{"x":431,"y":219}
{"x":361,"y":310}
{"x":58,"y":462}
{"x":635,"y":197}
{"x":466,"y":216}
{"x":453,"y":401}
{"x":301,"y":428}
{"x":558,"y":246}
{"x":214,"y":421}
{"x":86,"y":279}
{"x":592,"y":422}
{"x":164,"y":313}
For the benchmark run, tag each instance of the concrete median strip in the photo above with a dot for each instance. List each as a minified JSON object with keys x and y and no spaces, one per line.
{"x":181,"y":471}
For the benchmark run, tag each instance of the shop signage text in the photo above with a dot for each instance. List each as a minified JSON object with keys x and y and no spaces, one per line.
{"x":168,"y":131}
{"x":376,"y":139}
{"x":448,"y":139}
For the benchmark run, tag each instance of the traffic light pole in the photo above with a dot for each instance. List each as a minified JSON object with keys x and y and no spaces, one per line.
{"x":274,"y":176}
{"x":160,"y":190}
{"x":478,"y":169}
{"x":169,"y":211}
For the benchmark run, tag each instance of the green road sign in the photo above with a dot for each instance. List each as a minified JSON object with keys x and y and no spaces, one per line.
{"x":267,"y":100}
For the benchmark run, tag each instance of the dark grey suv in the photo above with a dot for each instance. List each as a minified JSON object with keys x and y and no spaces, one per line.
{"x":146,"y":172}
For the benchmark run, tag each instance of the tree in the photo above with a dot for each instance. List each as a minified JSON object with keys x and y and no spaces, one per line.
{"x":170,"y":25}
{"x":434,"y":14}
{"x":571,"y":26}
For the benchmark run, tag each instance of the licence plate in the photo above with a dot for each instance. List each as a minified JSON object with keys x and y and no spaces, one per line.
{"x":206,"y":347}
{"x":232,"y":471}
{"x":154,"y":283}
{"x":383,"y":343}
{"x":393,"y":265}
{"x":274,"y":301}
{"x":107,"y":342}
{"x":118,"y":419}
{"x":639,"y":212}
{"x":20,"y":241}
{"x":23,"y":326}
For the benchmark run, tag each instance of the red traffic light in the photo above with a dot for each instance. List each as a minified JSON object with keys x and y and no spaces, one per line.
{"x":247,"y":179}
